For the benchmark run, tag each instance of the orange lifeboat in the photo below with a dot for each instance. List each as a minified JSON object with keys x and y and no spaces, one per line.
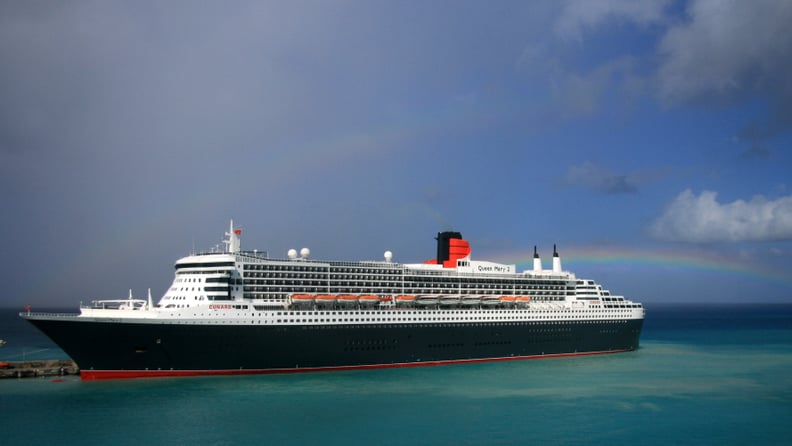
{"x":507,"y":300}
{"x":522,"y":299}
{"x":325,"y":299}
{"x":369,"y":299}
{"x":302,"y":297}
{"x":405,"y":299}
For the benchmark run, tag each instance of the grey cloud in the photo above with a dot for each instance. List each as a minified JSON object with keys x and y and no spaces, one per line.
{"x":755,"y":152}
{"x":579,"y":16}
{"x":728,"y":52}
{"x":722,"y":53}
{"x":578,"y":93}
{"x":599,"y":179}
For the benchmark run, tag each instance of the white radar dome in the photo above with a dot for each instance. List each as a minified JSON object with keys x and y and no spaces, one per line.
{"x":305,"y":252}
{"x":388,"y":256}
{"x":292,"y":254}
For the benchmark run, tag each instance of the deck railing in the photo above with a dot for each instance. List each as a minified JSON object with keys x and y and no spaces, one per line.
{"x":46,"y":314}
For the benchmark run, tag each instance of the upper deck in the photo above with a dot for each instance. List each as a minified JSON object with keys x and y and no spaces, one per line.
{"x":453,"y":279}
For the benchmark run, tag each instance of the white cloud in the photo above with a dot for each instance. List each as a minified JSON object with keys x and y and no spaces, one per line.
{"x":701,"y":219}
{"x":581,"y":15}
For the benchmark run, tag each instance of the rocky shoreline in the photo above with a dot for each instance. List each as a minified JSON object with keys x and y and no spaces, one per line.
{"x":32,"y":369}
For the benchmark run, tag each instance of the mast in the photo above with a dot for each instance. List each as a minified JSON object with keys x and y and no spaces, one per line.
{"x":233,"y":239}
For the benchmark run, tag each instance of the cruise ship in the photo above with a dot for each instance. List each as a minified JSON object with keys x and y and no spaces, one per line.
{"x":243,"y":312}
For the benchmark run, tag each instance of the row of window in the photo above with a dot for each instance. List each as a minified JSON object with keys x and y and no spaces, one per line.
{"x":397,"y":289}
{"x":379,"y":311}
{"x":409,"y":281}
{"x":419,"y":315}
{"x":281,"y":295}
{"x":302,"y":267}
{"x":357,"y":272}
{"x":379,"y":276}
{"x":352,"y":325}
{"x":203,"y":265}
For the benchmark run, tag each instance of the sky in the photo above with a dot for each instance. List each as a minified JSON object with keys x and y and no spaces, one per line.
{"x":650,"y":140}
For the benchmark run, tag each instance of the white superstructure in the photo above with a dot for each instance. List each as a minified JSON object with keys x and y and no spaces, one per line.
{"x":247,"y":287}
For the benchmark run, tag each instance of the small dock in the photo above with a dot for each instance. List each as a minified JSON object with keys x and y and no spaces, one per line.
{"x":33,"y":369}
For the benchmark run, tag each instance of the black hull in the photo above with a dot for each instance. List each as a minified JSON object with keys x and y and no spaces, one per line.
{"x":121,"y":349}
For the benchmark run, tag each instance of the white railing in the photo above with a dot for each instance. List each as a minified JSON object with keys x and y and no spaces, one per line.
{"x":116,"y":304}
{"x":46,"y":314}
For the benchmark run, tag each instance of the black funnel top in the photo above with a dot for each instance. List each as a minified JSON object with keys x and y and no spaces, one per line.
{"x":442,"y":244}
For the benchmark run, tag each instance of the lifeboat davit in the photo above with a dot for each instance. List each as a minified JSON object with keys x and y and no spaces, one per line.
{"x":427,"y":299}
{"x":490,"y":300}
{"x":470,"y":299}
{"x":450,"y":299}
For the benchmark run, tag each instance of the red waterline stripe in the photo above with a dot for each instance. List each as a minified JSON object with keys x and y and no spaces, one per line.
{"x":90,"y":375}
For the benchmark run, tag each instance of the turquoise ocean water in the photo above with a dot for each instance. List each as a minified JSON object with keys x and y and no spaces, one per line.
{"x":704,"y":375}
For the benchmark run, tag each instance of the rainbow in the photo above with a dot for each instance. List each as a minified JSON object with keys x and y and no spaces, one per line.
{"x":619,"y":257}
